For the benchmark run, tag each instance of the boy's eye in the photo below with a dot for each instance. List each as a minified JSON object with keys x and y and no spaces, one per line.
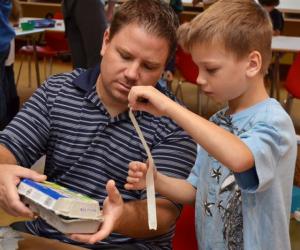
{"x":149,"y":67}
{"x":212,"y":70}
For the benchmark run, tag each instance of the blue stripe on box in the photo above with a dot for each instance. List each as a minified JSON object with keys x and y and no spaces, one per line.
{"x":46,"y":190}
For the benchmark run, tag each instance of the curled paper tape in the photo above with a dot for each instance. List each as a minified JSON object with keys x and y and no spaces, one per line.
{"x":151,"y":202}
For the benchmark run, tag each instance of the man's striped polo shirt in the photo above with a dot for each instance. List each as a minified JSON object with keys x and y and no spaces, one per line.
{"x":85,"y":147}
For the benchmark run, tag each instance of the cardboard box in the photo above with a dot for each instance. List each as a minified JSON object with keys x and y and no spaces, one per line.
{"x":65,"y":210}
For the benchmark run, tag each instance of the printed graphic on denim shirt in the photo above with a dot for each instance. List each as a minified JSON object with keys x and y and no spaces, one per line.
{"x":228,"y":204}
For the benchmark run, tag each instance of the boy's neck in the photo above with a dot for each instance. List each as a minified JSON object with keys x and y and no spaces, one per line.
{"x":256,"y":93}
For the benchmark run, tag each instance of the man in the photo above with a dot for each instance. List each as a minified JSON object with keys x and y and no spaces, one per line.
{"x":80,"y":121}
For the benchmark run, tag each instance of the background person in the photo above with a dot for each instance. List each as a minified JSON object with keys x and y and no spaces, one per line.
{"x":275,"y":15}
{"x":85,"y":22}
{"x":12,"y":98}
{"x":7,"y":34}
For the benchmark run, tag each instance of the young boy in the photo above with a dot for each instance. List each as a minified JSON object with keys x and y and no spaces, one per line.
{"x":242,"y":180}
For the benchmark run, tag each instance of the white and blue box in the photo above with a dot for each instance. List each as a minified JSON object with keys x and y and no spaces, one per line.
{"x":67,"y":211}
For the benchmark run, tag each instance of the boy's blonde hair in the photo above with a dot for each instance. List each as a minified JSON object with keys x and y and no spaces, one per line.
{"x":241,"y":26}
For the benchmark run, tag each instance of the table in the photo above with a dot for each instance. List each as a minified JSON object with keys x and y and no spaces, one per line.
{"x":32,"y":34}
{"x":59,"y":24}
{"x":31,"y":242}
{"x":282,"y":44}
{"x":289,"y":6}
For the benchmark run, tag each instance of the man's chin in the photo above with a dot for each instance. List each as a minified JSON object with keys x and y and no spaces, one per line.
{"x":121,"y":98}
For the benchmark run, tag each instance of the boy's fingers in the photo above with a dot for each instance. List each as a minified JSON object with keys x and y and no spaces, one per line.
{"x":132,"y":179}
{"x":137,"y":166}
{"x":135,"y":173}
{"x":128,"y":186}
{"x":134,"y":165}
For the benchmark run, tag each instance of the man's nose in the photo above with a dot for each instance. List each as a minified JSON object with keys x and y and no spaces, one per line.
{"x":132,"y":71}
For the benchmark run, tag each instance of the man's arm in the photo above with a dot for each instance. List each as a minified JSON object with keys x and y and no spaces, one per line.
{"x":6,"y":156}
{"x":130,"y":218}
{"x":134,"y":219}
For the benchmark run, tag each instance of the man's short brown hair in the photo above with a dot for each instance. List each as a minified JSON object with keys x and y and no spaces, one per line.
{"x":241,"y":26}
{"x":156,"y":16}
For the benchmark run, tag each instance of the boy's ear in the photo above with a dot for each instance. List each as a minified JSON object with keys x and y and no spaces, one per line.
{"x":254,"y":64}
{"x":105,"y":41}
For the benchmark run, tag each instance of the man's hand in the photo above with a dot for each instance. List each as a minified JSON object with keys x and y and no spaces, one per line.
{"x":10,"y":177}
{"x":136,"y":179}
{"x":112,"y":210}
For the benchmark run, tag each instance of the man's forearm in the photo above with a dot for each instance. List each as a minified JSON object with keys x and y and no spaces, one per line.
{"x":6,"y":157}
{"x":134,"y":221}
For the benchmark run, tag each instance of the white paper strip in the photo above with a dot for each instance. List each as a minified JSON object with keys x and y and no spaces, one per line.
{"x":151,"y":202}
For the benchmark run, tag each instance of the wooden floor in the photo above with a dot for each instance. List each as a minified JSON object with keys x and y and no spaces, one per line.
{"x":189,"y":97}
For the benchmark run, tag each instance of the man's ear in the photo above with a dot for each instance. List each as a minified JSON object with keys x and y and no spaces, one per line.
{"x":105,"y":42}
{"x":254,"y":64}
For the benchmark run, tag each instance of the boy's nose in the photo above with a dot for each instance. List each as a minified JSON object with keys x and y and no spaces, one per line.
{"x":200,"y":79}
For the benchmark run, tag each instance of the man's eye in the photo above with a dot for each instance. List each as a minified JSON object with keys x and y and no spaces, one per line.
{"x":125,"y":56}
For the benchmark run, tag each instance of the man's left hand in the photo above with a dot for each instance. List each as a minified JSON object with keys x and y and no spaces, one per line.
{"x":112,"y":210}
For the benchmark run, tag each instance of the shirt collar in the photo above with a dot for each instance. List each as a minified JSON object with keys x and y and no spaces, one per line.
{"x":87,"y":80}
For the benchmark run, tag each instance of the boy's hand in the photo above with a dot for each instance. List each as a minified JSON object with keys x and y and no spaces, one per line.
{"x":113,"y":207}
{"x":149,"y":99}
{"x":136,"y":179}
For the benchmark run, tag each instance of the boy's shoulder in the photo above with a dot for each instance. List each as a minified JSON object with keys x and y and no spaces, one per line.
{"x":269,"y":112}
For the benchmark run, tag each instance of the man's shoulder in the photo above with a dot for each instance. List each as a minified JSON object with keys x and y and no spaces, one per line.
{"x":63,"y":79}
{"x":67,"y":75}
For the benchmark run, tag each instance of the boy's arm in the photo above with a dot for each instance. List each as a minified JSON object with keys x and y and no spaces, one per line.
{"x":221,"y":144}
{"x":177,"y":190}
